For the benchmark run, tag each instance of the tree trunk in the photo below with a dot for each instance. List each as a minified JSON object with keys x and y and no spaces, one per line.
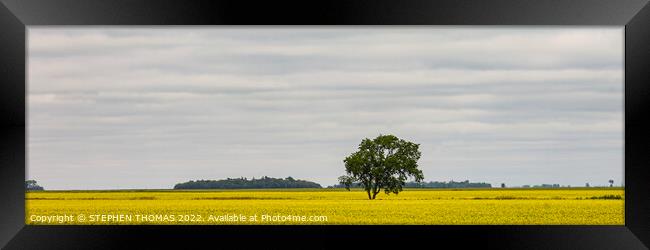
{"x":369,"y":197}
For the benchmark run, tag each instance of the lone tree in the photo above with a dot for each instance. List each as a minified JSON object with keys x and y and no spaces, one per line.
{"x":385,"y":163}
{"x":611,"y":183}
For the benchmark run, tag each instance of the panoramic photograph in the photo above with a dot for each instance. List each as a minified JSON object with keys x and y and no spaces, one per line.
{"x":427,"y":125}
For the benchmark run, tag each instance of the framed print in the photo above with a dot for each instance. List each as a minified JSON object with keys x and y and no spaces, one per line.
{"x":507,"y":124}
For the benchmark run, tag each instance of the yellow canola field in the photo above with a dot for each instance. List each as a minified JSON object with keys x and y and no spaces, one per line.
{"x":576,"y":206}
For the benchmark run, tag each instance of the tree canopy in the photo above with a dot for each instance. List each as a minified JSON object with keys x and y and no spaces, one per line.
{"x":385,"y":162}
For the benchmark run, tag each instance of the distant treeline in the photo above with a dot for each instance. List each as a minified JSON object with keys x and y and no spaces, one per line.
{"x":450,"y":184}
{"x":243,"y":183}
{"x":544,"y":186}
{"x":436,"y":184}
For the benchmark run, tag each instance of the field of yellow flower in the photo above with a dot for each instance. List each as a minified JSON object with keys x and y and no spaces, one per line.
{"x":577,"y":206}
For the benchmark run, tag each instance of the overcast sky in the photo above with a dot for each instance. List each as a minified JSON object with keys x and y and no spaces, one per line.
{"x":117,"y":108}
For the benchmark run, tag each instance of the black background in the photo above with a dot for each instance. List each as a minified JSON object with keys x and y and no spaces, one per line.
{"x":15,"y":15}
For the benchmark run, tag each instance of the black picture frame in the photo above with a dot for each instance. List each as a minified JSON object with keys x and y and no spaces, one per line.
{"x":16,"y":15}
